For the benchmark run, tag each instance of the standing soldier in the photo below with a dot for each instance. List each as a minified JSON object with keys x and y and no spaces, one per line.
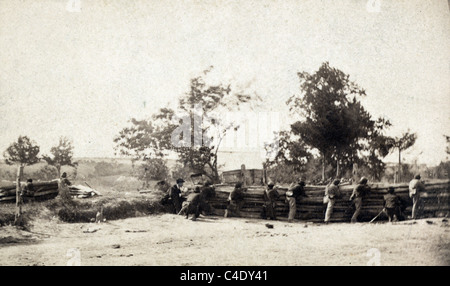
{"x":270,"y":196}
{"x":415,"y":188}
{"x":292,"y":195}
{"x":359,"y":193}
{"x":175,"y":195}
{"x":64,"y":184}
{"x":145,"y":184}
{"x":236,"y":201}
{"x":332,"y":192}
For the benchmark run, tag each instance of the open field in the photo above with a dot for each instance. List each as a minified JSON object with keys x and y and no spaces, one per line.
{"x":172,"y":240}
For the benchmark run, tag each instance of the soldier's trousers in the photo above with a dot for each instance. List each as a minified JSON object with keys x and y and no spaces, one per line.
{"x":194,"y":209}
{"x":176,"y":204}
{"x":393,"y":213}
{"x":234,"y":209}
{"x":292,"y":208}
{"x":416,"y":199}
{"x":270,"y":210}
{"x":329,"y":211}
{"x":358,"y":206}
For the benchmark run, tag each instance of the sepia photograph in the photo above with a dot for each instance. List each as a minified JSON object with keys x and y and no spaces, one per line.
{"x":224,"y":133}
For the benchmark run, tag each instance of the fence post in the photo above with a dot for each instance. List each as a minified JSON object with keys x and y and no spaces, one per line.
{"x":243,"y":175}
{"x":18,"y":221}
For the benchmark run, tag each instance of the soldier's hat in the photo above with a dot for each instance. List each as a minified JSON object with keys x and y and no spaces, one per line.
{"x":180,"y":181}
{"x":363,"y":180}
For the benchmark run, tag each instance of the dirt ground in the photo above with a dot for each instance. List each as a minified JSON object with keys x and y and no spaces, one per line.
{"x":172,"y":240}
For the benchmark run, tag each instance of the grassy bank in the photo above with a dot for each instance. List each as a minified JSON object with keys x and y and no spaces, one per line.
{"x":85,"y":210}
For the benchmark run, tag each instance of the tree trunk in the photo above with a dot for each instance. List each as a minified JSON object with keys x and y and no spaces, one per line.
{"x":337,"y":168}
{"x":399,"y":165}
{"x":18,"y":218}
{"x":323,"y":167}
{"x":265,"y":173}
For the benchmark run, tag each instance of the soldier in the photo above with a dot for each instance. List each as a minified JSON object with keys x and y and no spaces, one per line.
{"x":162,"y":186}
{"x":235,"y":201}
{"x":331,"y":194}
{"x":27,"y":193}
{"x":145,"y":184}
{"x":294,"y":194}
{"x":175,"y":195}
{"x":359,"y":193}
{"x":207,"y":192}
{"x":415,"y":188}
{"x":64,"y":184}
{"x":193,"y":204}
{"x":270,"y":196}
{"x":392,"y":205}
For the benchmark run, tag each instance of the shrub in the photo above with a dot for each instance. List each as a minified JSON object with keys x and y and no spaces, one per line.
{"x":152,"y":169}
{"x":46,"y":173}
{"x":126,"y":184}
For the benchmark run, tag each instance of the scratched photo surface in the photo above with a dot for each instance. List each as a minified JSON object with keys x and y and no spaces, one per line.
{"x":126,"y":127}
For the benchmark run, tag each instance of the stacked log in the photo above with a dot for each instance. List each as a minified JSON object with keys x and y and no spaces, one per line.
{"x":436,"y":201}
{"x":81,"y":191}
{"x":45,"y":191}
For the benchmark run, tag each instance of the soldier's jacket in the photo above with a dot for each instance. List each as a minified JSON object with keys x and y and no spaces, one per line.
{"x":271,"y":195}
{"x":332,"y":192}
{"x":28,"y":190}
{"x":174,"y":192}
{"x":296,"y":192}
{"x":207,"y":193}
{"x":237,"y":195}
{"x":391,"y":201}
{"x":415,"y":186}
{"x":360,"y":191}
{"x":194,"y":198}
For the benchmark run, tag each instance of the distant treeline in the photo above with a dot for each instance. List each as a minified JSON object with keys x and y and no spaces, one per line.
{"x":86,"y":169}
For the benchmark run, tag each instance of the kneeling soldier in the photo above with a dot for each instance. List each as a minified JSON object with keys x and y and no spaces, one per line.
{"x":391,"y":205}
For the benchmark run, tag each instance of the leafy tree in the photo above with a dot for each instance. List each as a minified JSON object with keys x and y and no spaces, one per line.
{"x":288,"y":151}
{"x":181,"y":171}
{"x":442,"y":171}
{"x":62,"y":155}
{"x":447,"y":138}
{"x":195,"y":138}
{"x":23,"y":152}
{"x":402,"y":143}
{"x":334,"y":122}
{"x":377,"y":146}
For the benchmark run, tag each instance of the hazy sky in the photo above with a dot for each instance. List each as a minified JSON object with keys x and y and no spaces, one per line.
{"x":84,"y":74}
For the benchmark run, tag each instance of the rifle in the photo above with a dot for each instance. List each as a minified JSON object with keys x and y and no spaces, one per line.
{"x":382,"y":211}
